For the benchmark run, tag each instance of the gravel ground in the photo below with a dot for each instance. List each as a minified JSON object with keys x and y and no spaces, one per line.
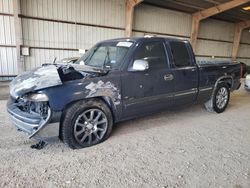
{"x":186,"y":148}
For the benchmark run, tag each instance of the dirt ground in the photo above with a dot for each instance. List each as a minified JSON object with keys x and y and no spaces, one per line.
{"x":186,"y":148}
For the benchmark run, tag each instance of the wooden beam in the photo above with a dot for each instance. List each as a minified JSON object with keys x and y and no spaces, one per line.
{"x":195,"y":31}
{"x":220,"y":8}
{"x":200,"y":15}
{"x":130,"y":5}
{"x":244,"y":24}
{"x":236,"y":43}
{"x":186,"y":5}
{"x":239,"y":27}
{"x":212,"y":1}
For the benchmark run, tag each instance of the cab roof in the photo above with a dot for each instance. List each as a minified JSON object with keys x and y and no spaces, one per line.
{"x":143,"y":39}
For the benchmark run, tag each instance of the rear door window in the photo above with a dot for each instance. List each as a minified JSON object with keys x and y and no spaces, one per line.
{"x":154,"y":53}
{"x":180,"y":54}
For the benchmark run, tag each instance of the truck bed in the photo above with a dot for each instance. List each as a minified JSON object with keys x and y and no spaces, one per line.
{"x":210,"y":71}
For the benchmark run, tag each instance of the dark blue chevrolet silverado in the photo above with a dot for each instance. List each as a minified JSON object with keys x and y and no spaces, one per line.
{"x":117,"y":80}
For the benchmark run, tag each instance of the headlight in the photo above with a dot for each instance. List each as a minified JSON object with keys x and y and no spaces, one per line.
{"x":38,"y":97}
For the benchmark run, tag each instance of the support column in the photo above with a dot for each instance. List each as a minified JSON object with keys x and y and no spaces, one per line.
{"x":195,"y":31}
{"x":206,"y":13}
{"x":239,"y":27}
{"x":130,"y":5}
{"x":18,"y":35}
{"x":236,"y":43}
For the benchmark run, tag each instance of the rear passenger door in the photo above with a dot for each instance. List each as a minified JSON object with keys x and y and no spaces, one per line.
{"x":150,"y":90}
{"x":185,"y":73}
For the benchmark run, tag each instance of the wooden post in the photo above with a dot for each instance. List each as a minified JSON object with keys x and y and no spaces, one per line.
{"x":195,"y":31}
{"x":130,"y":5}
{"x":239,"y":27}
{"x":236,"y":43}
{"x":18,"y":35}
{"x":201,"y":15}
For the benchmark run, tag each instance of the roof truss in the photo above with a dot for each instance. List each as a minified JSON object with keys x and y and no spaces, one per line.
{"x":206,"y":13}
{"x":239,"y":27}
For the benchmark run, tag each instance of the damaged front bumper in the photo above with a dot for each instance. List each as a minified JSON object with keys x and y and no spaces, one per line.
{"x":29,"y":122}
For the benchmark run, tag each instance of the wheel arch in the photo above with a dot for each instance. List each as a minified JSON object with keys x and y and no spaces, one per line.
{"x":228,"y":80}
{"x":224,"y":79}
{"x":106,"y":100}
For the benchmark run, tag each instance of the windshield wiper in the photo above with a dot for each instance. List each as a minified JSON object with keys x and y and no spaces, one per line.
{"x":104,"y":66}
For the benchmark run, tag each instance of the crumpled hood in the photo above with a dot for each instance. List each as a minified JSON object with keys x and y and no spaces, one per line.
{"x":36,"y":79}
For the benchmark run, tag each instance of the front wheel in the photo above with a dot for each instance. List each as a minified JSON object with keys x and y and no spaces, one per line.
{"x":219,"y":99}
{"x":86,"y":123}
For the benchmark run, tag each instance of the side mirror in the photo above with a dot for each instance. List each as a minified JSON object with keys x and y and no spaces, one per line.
{"x":139,"y":65}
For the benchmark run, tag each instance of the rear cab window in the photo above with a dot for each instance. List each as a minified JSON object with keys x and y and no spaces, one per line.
{"x":180,"y":54}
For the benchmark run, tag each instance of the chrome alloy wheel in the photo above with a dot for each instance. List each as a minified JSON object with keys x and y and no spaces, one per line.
{"x":90,"y":126}
{"x":221,"y":98}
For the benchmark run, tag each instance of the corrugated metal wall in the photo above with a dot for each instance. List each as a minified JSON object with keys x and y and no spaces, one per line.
{"x":58,"y":28}
{"x":8,"y":64}
{"x":153,"y":19}
{"x":215,"y":37}
{"x":99,"y":12}
{"x":245,"y":36}
{"x":75,"y":24}
{"x":244,"y":50}
{"x":217,"y":30}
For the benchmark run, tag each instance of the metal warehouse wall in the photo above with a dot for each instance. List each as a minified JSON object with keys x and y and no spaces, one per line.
{"x":58,"y":28}
{"x":215,"y":37}
{"x":8,"y":64}
{"x":244,"y":50}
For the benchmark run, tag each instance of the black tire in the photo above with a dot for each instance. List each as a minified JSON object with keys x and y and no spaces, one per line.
{"x":76,"y":114}
{"x":216,"y":107}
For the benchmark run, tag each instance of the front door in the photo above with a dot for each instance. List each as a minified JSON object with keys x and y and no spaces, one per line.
{"x":150,"y":90}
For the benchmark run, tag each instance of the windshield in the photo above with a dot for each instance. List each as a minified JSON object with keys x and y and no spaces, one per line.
{"x":108,"y":55}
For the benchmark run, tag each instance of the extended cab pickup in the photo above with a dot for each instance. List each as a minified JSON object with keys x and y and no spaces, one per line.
{"x":117,"y":80}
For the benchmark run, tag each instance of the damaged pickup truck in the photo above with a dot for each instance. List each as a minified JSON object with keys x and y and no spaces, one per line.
{"x":117,"y":80}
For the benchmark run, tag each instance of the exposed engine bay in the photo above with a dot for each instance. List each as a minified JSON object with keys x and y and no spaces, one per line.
{"x":50,"y":75}
{"x":39,"y":109}
{"x":68,"y":73}
{"x":28,"y":105}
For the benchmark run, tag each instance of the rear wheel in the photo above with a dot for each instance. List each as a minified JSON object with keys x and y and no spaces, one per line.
{"x":219,"y":99}
{"x":86,"y":123}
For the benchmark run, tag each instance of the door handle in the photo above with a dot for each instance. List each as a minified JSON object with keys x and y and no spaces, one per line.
{"x":168,"y":77}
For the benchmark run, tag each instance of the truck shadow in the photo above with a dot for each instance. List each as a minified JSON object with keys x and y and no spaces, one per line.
{"x":178,"y":115}
{"x":173,"y":117}
{"x":165,"y":118}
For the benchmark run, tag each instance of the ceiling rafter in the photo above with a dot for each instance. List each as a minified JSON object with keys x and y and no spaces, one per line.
{"x":219,"y":8}
{"x":213,"y":2}
{"x":187,"y":5}
{"x":244,"y":24}
{"x":206,"y":13}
